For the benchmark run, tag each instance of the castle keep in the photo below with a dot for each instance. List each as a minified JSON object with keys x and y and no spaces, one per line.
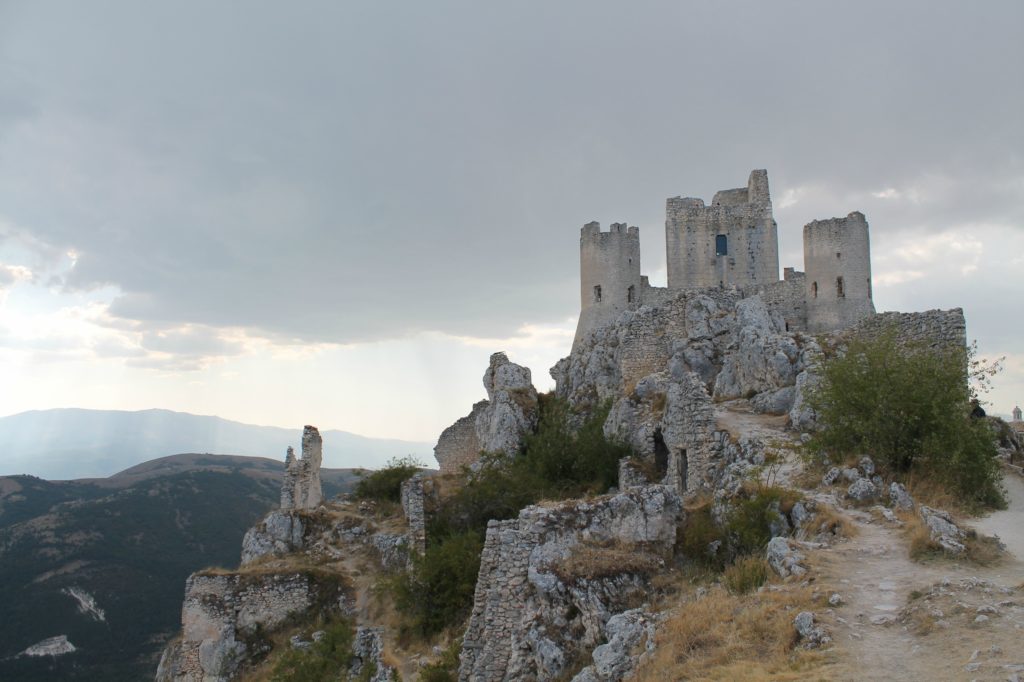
{"x":732,"y":244}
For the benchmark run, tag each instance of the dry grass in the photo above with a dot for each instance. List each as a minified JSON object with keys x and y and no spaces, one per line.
{"x":828,"y":519}
{"x":730,"y":637}
{"x":981,"y":550}
{"x":746,"y":574}
{"x":588,"y":561}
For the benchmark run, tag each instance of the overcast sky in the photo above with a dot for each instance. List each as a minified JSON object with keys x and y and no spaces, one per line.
{"x":332,"y":213}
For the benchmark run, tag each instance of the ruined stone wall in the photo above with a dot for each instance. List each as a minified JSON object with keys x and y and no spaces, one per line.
{"x":743,"y":217}
{"x":609,"y":274}
{"x":459,"y":445}
{"x":529,"y":618}
{"x":787,"y":298}
{"x":301,"y":487}
{"x":222,"y":613}
{"x":413,"y":497}
{"x":938,"y":329}
{"x":837,"y":260}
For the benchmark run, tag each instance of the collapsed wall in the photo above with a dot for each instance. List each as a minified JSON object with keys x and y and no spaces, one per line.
{"x":550,"y":580}
{"x":458,"y":445}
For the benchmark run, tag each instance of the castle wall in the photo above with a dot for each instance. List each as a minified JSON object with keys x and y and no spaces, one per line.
{"x":609,"y":275}
{"x":787,"y":298}
{"x":837,"y":260}
{"x":933,"y":329}
{"x":743,"y":217}
{"x":459,"y":445}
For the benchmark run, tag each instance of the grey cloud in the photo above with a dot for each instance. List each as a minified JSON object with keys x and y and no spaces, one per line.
{"x":351,"y":172}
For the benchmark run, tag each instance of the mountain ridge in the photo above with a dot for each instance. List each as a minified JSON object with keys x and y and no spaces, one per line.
{"x":76,"y":443}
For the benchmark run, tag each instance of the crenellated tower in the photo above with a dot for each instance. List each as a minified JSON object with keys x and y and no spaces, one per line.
{"x":732,"y":242}
{"x":837,"y":261}
{"x":609,"y":274}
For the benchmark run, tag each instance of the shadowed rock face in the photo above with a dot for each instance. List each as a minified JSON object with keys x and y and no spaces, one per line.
{"x":511,"y":411}
{"x":301,"y":487}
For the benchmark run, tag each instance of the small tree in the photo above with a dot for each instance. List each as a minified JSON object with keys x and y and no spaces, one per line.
{"x":386,"y":484}
{"x":909,"y":408}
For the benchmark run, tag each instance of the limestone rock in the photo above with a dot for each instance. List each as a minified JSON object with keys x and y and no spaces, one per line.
{"x":763,"y":360}
{"x":801,"y":416}
{"x":942,"y":529}
{"x":862,"y":490}
{"x":783,"y":559}
{"x":512,"y":407}
{"x":279,"y":533}
{"x":614,"y":660}
{"x":851,"y":475}
{"x":867,"y":465}
{"x":899,"y":497}
{"x":831,"y":476}
{"x":811,"y":635}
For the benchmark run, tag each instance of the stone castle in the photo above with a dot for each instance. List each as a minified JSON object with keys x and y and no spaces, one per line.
{"x":731,"y":244}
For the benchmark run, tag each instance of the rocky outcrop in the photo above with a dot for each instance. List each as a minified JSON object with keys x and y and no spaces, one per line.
{"x":301,"y":487}
{"x":550,"y":580}
{"x":511,"y":410}
{"x":368,"y":663}
{"x":280,"y":532}
{"x":459,"y":445}
{"x":785,"y":560}
{"x":614,"y":660}
{"x":762,"y":360}
{"x":226,"y":617}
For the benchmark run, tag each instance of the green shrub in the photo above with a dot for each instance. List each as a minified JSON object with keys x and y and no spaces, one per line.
{"x":746,"y":574}
{"x":910,"y":410}
{"x":385,"y":485}
{"x":322,"y":661}
{"x":697,"y":533}
{"x":438,"y":592}
{"x":445,"y":668}
{"x":748,"y":524}
{"x":554,"y":463}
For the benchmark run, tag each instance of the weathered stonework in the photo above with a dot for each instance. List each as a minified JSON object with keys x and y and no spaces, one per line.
{"x":223,"y":617}
{"x":837,"y":260}
{"x":412,"y":496}
{"x":459,"y":445}
{"x":529,"y":617}
{"x":731,"y":244}
{"x":301,"y":488}
{"x":932,"y":329}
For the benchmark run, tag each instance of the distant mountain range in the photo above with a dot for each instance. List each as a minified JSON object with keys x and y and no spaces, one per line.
{"x":103,"y":562}
{"x":75,"y":443}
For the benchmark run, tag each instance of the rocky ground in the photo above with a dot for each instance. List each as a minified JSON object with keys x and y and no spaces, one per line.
{"x":895,"y":618}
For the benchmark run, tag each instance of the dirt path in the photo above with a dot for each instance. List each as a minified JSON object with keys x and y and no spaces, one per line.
{"x":1009,"y":523}
{"x":876,"y":636}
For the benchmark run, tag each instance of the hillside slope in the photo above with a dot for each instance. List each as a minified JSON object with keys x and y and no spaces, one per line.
{"x":104,"y":562}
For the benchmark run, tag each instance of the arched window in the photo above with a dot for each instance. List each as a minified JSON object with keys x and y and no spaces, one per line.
{"x":597,"y":294}
{"x":839,"y":288}
{"x":814,"y":289}
{"x":630,"y":294}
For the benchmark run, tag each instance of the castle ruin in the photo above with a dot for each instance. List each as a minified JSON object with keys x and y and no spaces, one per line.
{"x":731,"y":244}
{"x":301,"y":487}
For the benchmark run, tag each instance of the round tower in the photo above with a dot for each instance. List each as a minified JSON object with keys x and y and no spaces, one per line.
{"x":609,"y":275}
{"x":837,"y":261}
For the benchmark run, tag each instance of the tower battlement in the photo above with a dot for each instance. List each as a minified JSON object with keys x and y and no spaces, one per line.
{"x":732,"y":242}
